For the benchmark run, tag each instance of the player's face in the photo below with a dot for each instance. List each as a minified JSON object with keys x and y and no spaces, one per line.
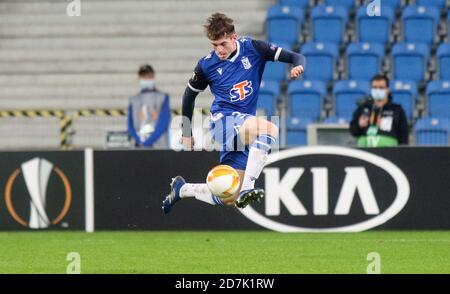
{"x":224,"y":46}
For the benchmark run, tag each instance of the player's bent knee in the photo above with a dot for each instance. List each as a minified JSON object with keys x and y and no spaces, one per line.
{"x":254,"y":127}
{"x":273,"y":130}
{"x":264,"y":126}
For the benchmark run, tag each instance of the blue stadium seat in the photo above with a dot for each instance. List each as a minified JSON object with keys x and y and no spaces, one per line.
{"x":374,"y":29}
{"x":296,"y":131}
{"x":405,"y":94}
{"x":321,"y":60}
{"x":394,"y":4}
{"x":297,"y":3}
{"x":269,"y":92}
{"x":275,"y":71}
{"x":364,"y":60}
{"x":431,"y":131}
{"x":410,"y":61}
{"x":448,"y":24}
{"x":328,"y":23}
{"x":439,"y":4}
{"x":306,"y":98}
{"x":420,"y":23}
{"x":284,"y":23}
{"x":348,"y":4}
{"x":335,"y":120}
{"x":443,"y":61}
{"x":438,"y":93}
{"x":346,"y":94}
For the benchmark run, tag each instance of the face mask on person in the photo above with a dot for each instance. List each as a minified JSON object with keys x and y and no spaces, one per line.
{"x":378,"y":94}
{"x":147,"y":84}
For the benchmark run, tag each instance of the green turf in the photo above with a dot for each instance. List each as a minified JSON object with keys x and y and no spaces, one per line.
{"x":224,"y":252}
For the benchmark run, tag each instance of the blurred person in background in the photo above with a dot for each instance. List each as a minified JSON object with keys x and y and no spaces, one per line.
{"x":378,"y":122}
{"x":149,"y":113}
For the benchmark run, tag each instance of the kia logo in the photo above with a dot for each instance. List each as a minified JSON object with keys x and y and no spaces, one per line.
{"x":329,"y":189}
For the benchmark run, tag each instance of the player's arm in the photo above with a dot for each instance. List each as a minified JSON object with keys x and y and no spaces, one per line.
{"x":272,"y":52}
{"x":196,"y":84}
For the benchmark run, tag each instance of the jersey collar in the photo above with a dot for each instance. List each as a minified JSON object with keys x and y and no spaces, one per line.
{"x":238,"y":49}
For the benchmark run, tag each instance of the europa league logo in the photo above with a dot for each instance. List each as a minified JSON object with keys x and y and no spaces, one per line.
{"x":36,"y":173}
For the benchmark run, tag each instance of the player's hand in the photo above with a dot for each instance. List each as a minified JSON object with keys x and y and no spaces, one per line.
{"x":297,"y":71}
{"x":188,"y":143}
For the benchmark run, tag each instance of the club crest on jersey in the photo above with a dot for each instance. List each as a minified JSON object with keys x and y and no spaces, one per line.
{"x":246,"y":63}
{"x":241,"y":90}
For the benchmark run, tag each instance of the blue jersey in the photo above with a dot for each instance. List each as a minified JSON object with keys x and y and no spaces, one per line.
{"x":234,"y":82}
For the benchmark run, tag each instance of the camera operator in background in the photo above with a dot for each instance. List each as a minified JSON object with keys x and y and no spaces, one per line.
{"x":378,"y":122}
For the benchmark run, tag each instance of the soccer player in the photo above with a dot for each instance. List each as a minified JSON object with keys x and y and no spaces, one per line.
{"x":233,"y":72}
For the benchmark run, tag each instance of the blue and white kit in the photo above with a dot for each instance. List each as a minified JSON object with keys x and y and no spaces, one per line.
{"x":235,"y":83}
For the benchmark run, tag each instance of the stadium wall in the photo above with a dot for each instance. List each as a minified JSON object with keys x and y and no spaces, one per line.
{"x":307,"y":189}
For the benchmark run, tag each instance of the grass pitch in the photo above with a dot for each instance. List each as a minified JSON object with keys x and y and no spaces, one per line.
{"x":225,"y":252}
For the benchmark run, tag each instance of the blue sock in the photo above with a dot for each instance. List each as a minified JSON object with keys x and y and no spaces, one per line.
{"x":257,"y":157}
{"x":216,"y":200}
{"x":264,"y":142}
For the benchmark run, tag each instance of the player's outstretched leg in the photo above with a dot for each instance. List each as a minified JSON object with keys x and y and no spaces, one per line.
{"x":174,"y":195}
{"x":179,"y":189}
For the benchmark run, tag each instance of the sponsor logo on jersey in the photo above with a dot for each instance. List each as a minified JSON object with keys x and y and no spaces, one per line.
{"x":246,"y":63}
{"x":219,"y":70}
{"x":241,"y":90}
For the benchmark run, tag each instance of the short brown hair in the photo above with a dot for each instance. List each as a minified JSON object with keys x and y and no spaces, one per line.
{"x":218,"y":25}
{"x":381,"y":77}
{"x":145,"y":70}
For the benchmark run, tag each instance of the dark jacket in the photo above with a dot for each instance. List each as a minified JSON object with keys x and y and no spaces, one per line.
{"x":391,"y":111}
